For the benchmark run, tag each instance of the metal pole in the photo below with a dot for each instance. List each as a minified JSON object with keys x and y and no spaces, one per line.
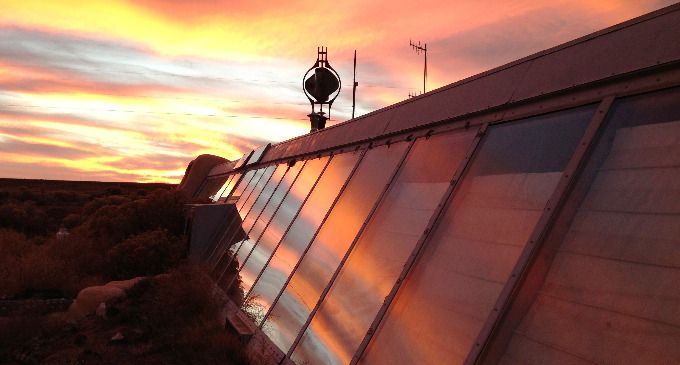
{"x":425,"y":72}
{"x":355,"y":84}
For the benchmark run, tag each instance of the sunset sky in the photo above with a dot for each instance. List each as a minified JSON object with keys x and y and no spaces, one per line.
{"x":133,"y":90}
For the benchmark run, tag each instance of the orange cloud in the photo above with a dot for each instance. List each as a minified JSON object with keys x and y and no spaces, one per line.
{"x":152,"y":83}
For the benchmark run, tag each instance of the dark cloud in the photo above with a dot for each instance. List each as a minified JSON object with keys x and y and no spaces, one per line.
{"x":104,"y":65}
{"x":494,"y":44}
{"x":39,"y":149}
{"x":153,"y":162}
{"x":22,"y":113}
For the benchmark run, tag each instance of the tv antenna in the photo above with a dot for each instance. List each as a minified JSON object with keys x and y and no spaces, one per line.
{"x":418,"y":48}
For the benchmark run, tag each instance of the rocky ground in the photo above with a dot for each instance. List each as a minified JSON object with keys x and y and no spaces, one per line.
{"x":168,"y":319}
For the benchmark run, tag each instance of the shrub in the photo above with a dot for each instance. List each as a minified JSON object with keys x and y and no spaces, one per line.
{"x":162,"y":209}
{"x":181,"y":310}
{"x":147,"y":253}
{"x":23,"y":217}
{"x":71,"y":220}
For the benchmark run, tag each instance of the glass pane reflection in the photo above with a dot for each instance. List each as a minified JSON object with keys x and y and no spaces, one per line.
{"x":256,"y":200}
{"x":230,"y":186}
{"x":618,"y":261}
{"x":245,"y":183}
{"x":233,"y":222}
{"x":235,"y":232}
{"x":282,"y":219}
{"x":243,"y":248}
{"x":250,"y":243}
{"x":300,"y":233}
{"x":452,"y":288}
{"x":221,"y":190}
{"x":332,"y":242}
{"x":379,"y":256}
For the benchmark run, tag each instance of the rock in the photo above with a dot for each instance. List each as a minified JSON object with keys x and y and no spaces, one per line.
{"x":117,"y":337}
{"x":101,"y":310}
{"x":89,"y":299}
{"x":196,"y":172}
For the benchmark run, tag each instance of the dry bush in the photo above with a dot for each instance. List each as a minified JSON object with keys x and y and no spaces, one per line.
{"x":17,"y":332}
{"x":72,"y":220}
{"x":162,"y":209}
{"x":24,"y":217}
{"x":65,"y":266}
{"x":180,"y":310}
{"x":148,"y":253}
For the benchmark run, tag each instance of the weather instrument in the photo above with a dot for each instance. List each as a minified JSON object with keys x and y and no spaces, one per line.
{"x":321,"y":84}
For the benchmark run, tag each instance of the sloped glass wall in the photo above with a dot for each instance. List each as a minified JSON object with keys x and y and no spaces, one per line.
{"x":242,"y":248}
{"x":453,"y":286}
{"x":272,"y":236}
{"x":299,"y":234}
{"x":612,"y":293}
{"x":250,"y":265}
{"x":212,"y":256}
{"x":332,"y":242}
{"x":243,"y":206}
{"x":378,"y":257}
{"x":228,"y":187}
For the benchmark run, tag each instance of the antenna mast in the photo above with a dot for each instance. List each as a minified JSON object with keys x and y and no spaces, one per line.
{"x":354,"y":84}
{"x":418,"y":48}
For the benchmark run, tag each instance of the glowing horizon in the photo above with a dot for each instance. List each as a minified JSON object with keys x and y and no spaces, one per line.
{"x":133,"y":91}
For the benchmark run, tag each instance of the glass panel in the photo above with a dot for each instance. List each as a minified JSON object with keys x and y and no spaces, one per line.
{"x":247,"y":178}
{"x":452,"y":288}
{"x":331,"y":244}
{"x":257,"y":154}
{"x":234,"y":221}
{"x":243,"y":248}
{"x":219,"y":192}
{"x":268,"y":241}
{"x":379,"y":256}
{"x":300,"y":233}
{"x":253,"y":191}
{"x":241,"y":161}
{"x":235,"y":231}
{"x":257,"y":175}
{"x":230,"y":186}
{"x":618,"y":262}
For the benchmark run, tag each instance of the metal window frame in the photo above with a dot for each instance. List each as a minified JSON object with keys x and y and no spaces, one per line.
{"x":231,"y":282}
{"x":219,"y":192}
{"x":222,"y":242}
{"x":434,"y":221}
{"x":521,"y":288}
{"x":360,"y":232}
{"x":311,"y":241}
{"x":285,"y":195}
{"x":309,"y":193}
{"x":207,"y":258}
{"x":238,"y":181}
{"x":240,"y":243}
{"x":250,"y":209}
{"x":218,"y":247}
